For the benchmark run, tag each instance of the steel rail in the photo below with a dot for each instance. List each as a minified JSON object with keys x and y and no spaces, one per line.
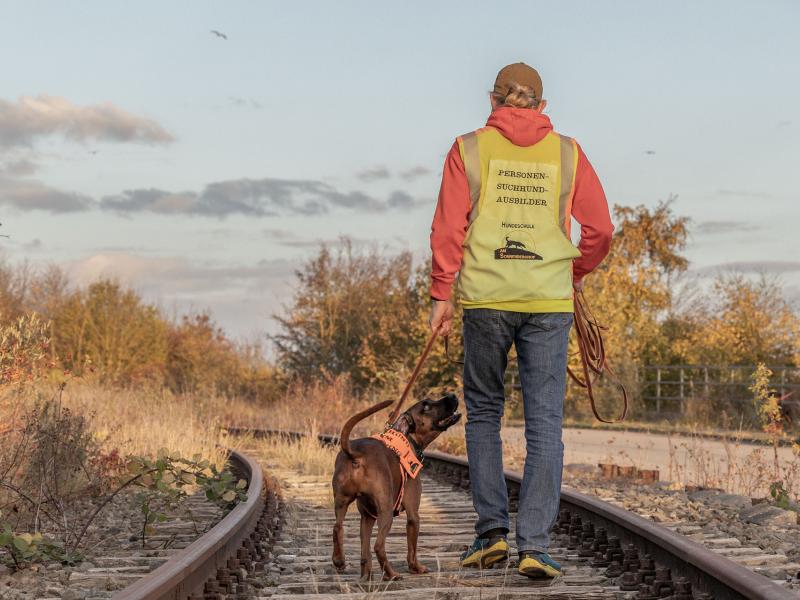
{"x":706,"y":570}
{"x":186,"y":572}
{"x":709,"y":572}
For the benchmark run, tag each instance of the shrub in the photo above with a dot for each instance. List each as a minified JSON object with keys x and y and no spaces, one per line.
{"x":24,"y":346}
{"x":112,"y":329}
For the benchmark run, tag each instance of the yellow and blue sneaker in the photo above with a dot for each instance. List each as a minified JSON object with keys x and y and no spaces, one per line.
{"x":538,"y":564}
{"x":485,"y":552}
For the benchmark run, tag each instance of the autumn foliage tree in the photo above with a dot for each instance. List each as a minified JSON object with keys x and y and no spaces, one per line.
{"x":354,"y":312}
{"x":110,"y":328}
{"x":202,"y":359}
{"x":743,"y":322}
{"x":108,"y":333}
{"x":631,"y":293}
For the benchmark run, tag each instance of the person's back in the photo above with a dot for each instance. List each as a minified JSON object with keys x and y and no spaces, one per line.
{"x":502,"y":223}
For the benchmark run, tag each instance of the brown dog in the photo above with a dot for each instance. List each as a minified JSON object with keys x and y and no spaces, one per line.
{"x":371,"y":473}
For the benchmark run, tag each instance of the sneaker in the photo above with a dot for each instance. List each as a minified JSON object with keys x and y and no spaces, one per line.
{"x":485,"y":552}
{"x":538,"y":564}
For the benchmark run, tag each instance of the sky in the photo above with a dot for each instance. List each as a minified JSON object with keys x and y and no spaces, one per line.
{"x":202,"y":171}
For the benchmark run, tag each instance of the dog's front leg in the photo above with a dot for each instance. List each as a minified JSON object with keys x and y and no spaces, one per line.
{"x":385,"y":518}
{"x":340,"y":508}
{"x":412,"y":531}
{"x":367,"y":522}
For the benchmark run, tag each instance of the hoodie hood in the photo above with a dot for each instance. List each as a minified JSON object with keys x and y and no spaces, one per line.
{"x":521,"y":126}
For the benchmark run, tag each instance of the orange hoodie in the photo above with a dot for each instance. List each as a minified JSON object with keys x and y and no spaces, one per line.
{"x":523,"y":127}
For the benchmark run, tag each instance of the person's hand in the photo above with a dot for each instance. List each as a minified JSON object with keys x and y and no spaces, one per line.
{"x":442,"y":317}
{"x":578,"y":285}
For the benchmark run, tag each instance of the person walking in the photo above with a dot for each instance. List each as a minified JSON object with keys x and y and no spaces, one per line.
{"x":502,"y":223}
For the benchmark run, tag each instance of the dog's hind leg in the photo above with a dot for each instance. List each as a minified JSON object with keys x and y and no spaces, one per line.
{"x":367,"y":523}
{"x":340,"y":508}
{"x":385,"y":518}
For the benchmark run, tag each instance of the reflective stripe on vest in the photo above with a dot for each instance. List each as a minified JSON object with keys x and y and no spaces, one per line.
{"x":472,"y":166}
{"x":517,"y":252}
{"x":568,"y":168}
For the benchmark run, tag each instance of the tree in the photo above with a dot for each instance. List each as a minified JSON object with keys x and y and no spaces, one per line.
{"x":355,"y":312}
{"x":746,"y":322}
{"x":113,"y":330}
{"x":631,"y":291}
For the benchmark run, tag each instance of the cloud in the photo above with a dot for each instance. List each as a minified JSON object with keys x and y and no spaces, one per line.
{"x":744,"y":194}
{"x":414,"y":173}
{"x":27,"y":194}
{"x":242,"y":297}
{"x":719,"y":227}
{"x":32,"y":246}
{"x":331,"y":243}
{"x":401,"y":200}
{"x":250,"y":197}
{"x":278,"y":234}
{"x":151,"y":200}
{"x":176,"y":275}
{"x":245,"y":103}
{"x":24,"y":121}
{"x":18,"y":168}
{"x":374,"y":174}
{"x":755,"y":266}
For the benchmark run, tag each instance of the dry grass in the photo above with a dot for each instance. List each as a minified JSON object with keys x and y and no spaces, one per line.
{"x":141,"y":421}
{"x":317,"y":406}
{"x":306,"y":455}
{"x":135,"y":421}
{"x":743,"y":470}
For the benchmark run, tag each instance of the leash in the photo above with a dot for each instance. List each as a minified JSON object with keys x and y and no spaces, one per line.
{"x":591,"y":349}
{"x":414,"y":375}
{"x":593,"y":356}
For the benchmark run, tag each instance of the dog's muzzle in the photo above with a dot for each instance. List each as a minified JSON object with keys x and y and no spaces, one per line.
{"x":447,"y":422}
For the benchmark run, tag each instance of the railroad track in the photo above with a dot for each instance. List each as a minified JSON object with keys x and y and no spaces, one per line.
{"x":278,"y":545}
{"x":227,"y":547}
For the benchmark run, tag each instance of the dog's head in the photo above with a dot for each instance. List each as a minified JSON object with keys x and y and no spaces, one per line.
{"x":428,"y":418}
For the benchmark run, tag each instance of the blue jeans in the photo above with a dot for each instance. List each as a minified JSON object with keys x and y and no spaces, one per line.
{"x":541,"y":342}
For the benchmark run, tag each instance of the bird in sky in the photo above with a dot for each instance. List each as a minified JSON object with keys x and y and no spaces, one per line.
{"x":93,"y":151}
{"x":650,"y":152}
{"x":219,"y":34}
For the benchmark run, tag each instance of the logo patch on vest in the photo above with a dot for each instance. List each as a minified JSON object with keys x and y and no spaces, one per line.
{"x":518,"y":249}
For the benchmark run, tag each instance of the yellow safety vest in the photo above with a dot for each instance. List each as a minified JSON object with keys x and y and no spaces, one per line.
{"x":517,"y":251}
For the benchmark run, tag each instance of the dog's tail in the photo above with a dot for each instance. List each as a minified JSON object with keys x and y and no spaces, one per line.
{"x":344,"y":438}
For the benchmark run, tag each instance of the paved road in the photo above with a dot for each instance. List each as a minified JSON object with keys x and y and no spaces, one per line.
{"x":741,"y":467}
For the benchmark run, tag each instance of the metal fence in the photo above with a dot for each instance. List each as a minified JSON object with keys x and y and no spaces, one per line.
{"x":668,"y":390}
{"x":688,"y":391}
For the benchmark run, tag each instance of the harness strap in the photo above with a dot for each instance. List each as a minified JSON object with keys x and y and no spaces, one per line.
{"x":410,"y":463}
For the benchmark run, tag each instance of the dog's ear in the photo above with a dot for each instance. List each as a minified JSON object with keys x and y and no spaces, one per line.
{"x":405,"y":424}
{"x":412,"y":424}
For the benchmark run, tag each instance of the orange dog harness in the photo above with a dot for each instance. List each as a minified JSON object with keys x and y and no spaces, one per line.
{"x":410,"y":464}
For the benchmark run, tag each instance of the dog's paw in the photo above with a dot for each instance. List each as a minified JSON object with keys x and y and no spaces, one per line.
{"x":339,"y":565}
{"x":418,"y":569}
{"x":392,"y":576}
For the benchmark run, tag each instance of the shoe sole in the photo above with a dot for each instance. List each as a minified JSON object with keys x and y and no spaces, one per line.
{"x":536,"y":573}
{"x":487,"y":560}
